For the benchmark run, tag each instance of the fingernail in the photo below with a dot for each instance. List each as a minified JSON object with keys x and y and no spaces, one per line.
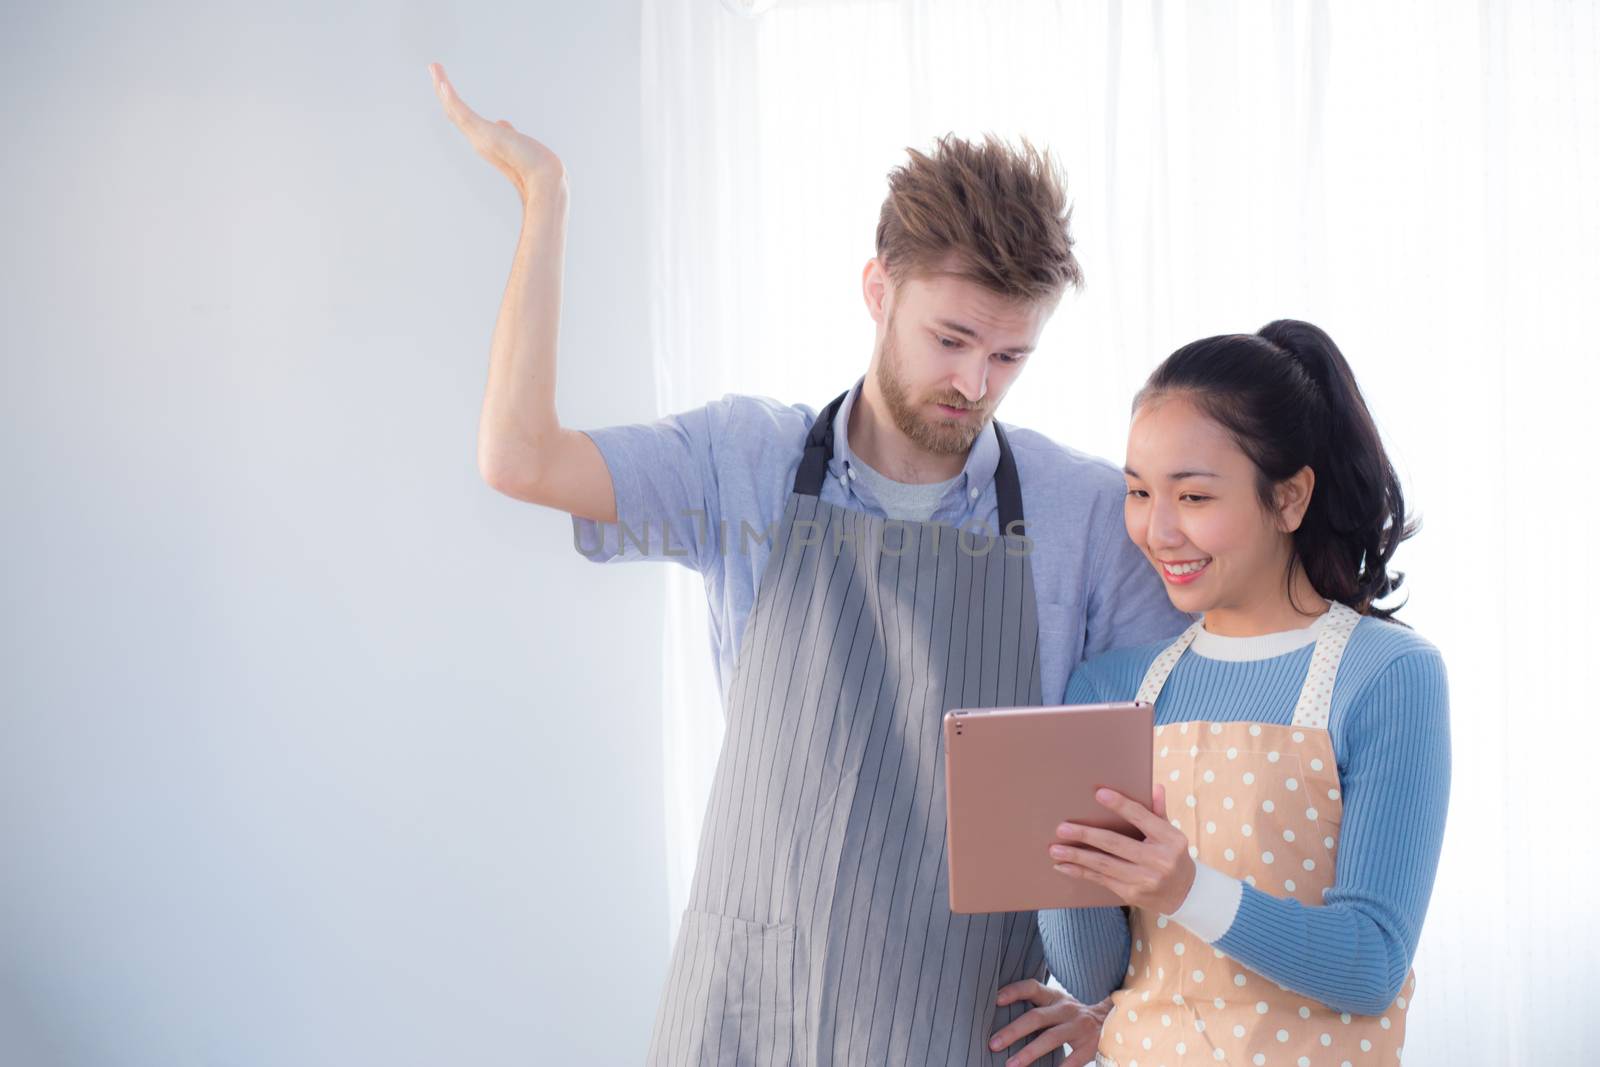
{"x":994,"y":1044}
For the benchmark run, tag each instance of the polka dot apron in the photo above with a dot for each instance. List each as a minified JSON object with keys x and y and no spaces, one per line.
{"x":1260,"y":803}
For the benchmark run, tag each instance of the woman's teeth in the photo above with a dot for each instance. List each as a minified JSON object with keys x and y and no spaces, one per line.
{"x":1178,"y":570}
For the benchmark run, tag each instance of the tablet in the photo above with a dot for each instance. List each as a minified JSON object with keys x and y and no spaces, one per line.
{"x":1012,"y":775}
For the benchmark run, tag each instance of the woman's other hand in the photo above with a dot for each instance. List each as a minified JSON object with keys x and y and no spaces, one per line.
{"x":1056,"y":1018}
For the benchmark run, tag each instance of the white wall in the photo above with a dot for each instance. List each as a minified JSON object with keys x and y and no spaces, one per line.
{"x":313,"y":749}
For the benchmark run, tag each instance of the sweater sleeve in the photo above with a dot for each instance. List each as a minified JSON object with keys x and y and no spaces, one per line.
{"x":1087,"y":949}
{"x":1353,"y":952}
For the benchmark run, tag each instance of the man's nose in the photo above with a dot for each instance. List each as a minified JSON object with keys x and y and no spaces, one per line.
{"x":972,"y":380}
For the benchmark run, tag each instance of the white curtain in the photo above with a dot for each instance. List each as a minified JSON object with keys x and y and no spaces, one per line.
{"x":1420,"y":179}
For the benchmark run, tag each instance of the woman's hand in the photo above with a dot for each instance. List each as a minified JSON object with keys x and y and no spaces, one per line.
{"x":532,"y":168}
{"x":1154,"y":874}
{"x":1061,"y":1020}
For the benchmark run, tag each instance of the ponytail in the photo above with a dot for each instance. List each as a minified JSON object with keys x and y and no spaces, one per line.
{"x":1290,"y":400}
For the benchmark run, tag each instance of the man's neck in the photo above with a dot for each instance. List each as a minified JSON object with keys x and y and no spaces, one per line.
{"x":881,"y":445}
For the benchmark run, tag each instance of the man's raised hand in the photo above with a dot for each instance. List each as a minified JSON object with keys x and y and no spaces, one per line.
{"x":533,"y":169}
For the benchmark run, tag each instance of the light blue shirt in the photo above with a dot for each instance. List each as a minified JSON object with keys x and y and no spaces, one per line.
{"x":707,"y":488}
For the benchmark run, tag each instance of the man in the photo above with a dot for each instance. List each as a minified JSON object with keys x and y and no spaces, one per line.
{"x":868,"y":567}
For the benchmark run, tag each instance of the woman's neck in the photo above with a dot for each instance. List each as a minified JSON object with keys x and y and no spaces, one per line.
{"x":1291,"y":607}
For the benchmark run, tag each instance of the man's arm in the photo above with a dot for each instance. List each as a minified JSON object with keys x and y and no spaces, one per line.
{"x":523,"y":450}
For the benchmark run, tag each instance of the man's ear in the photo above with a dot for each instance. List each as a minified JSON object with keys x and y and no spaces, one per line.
{"x":1292,"y":497}
{"x":875,"y":287}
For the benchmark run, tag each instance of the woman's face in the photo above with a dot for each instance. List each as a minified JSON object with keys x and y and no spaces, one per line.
{"x":1193,"y":509}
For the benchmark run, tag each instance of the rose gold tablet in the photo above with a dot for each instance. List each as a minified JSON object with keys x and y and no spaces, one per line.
{"x":1012,"y":775}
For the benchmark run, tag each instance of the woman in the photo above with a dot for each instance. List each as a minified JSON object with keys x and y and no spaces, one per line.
{"x":1302,"y":755}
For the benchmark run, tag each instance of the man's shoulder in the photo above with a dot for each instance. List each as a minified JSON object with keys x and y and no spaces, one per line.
{"x":755,"y":444}
{"x":738,"y":431}
{"x":1043,"y":454}
{"x":1059,"y":480}
{"x":760,"y":420}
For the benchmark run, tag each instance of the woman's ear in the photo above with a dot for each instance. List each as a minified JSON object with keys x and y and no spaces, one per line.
{"x":1292,"y":496}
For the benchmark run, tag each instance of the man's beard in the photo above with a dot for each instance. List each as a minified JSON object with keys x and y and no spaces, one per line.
{"x":939,"y":436}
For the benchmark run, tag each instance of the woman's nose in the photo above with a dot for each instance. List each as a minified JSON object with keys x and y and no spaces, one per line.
{"x":1162,"y":530}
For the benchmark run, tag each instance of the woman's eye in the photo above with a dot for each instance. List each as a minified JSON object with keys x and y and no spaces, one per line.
{"x":1138,"y":494}
{"x":1193,"y":498}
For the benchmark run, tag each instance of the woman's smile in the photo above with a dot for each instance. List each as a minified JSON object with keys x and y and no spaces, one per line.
{"x":1184,"y":571}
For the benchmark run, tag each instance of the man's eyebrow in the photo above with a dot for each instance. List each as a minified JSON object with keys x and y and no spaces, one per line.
{"x":956,"y":327}
{"x":968,"y":331}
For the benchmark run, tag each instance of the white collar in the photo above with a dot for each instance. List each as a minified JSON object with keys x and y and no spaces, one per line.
{"x":1262,"y":646}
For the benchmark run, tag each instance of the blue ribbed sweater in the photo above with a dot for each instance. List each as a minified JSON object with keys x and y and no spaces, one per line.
{"x":1391,"y":737}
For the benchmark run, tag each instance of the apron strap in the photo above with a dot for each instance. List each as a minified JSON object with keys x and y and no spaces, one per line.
{"x":1316,"y":696}
{"x":819,"y":450}
{"x":1007,"y":486}
{"x":1156,"y":676}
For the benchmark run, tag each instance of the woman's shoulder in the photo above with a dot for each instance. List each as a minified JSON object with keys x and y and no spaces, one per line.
{"x":1113,"y":675}
{"x":1390,"y":666}
{"x":1376,"y":645}
{"x":1391,"y":687}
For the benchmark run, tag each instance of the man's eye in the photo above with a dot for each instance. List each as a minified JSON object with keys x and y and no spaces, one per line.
{"x":949,"y":342}
{"x":1008,"y":357}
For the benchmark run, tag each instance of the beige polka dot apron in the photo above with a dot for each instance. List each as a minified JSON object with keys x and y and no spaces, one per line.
{"x":1260,"y":803}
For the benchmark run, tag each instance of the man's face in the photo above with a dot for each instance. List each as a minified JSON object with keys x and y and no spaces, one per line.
{"x":948,"y":350}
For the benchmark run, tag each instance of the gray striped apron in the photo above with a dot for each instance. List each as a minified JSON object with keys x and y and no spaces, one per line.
{"x":819,"y":928}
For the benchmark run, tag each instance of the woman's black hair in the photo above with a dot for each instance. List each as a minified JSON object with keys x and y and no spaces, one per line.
{"x":1290,"y":400}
